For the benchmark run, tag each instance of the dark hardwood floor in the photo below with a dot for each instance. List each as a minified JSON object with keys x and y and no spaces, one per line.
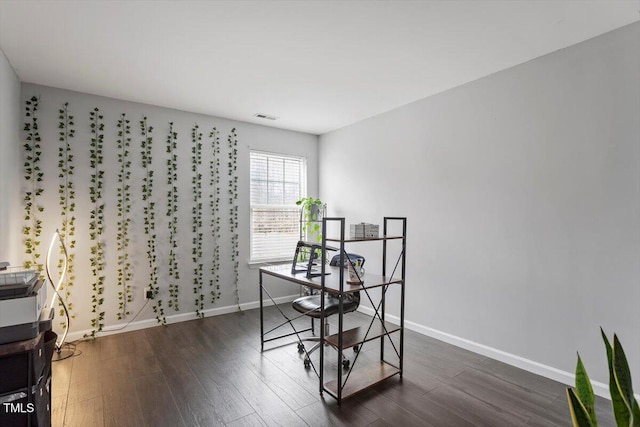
{"x":210,"y":372}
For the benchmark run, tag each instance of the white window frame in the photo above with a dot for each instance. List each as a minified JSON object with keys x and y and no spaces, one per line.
{"x":253,"y":260}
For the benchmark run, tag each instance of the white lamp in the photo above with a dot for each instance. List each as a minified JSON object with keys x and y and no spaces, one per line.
{"x":56,"y":288}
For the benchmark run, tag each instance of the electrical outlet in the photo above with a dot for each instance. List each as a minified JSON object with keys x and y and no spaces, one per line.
{"x":148,"y":293}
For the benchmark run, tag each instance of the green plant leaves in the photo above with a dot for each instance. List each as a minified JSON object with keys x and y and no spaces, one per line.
{"x":172,"y":214}
{"x":620,"y":409}
{"x":125,"y":272}
{"x":214,"y":203}
{"x":96,"y":225}
{"x":312,"y":209}
{"x":66,"y":198}
{"x":33,"y":226}
{"x":585,"y":391}
{"x":582,"y":401}
{"x":579,"y":414}
{"x":150,"y":217}
{"x":636,"y":414}
{"x":209,"y":222}
{"x":622,"y":375}
{"x":232,"y":141}
{"x":196,"y":219}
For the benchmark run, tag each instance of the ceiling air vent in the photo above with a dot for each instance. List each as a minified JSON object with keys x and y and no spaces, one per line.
{"x":265,"y":116}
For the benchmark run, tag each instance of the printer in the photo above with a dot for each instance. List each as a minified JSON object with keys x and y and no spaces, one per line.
{"x":23,"y":297}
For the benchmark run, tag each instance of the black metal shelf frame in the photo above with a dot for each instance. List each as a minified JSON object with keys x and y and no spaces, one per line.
{"x":379,"y":308}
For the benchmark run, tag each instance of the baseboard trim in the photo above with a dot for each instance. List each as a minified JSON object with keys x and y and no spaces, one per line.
{"x":546,"y":371}
{"x":176,"y":318}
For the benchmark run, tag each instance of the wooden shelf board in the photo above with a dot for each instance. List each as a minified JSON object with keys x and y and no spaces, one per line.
{"x":20,"y":346}
{"x":363,"y":378}
{"x":356,"y":335}
{"x":331,"y":281}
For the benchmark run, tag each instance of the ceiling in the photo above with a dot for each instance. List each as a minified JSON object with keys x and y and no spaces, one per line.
{"x":316,"y":65}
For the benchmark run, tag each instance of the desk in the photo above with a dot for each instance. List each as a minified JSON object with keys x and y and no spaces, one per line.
{"x":336,"y":285}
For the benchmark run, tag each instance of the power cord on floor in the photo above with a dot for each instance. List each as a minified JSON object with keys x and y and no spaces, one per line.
{"x":129,"y":322}
{"x":72,"y":345}
{"x":71,"y":351}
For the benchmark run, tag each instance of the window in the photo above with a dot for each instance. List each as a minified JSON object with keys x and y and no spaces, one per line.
{"x":277,"y":182}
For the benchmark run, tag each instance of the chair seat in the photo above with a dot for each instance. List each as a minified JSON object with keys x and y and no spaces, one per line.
{"x":310,"y":305}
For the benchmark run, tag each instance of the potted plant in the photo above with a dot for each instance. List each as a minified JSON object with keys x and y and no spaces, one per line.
{"x":582,"y":400}
{"x":311,"y":217}
{"x":310,"y":222}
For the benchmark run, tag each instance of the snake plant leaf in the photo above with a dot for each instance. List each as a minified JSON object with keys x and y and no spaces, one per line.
{"x":635,"y":422}
{"x":585,"y":391}
{"x":579,"y":415}
{"x":620,"y":410}
{"x":622,"y":374}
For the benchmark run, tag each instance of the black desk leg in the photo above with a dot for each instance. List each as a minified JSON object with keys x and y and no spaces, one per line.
{"x":261,"y":315}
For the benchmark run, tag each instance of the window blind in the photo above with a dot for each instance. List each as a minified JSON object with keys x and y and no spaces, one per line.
{"x":276,"y":183}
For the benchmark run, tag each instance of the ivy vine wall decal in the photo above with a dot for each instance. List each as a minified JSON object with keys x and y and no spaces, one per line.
{"x":196,"y":211}
{"x":123,"y":203}
{"x":67,"y":196}
{"x":117,"y":182}
{"x":172,"y":214}
{"x":214,"y":204}
{"x":34,"y":176}
{"x":150,"y":217}
{"x":233,"y":209}
{"x":96,"y":225}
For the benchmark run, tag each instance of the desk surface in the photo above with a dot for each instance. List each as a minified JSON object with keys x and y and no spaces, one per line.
{"x":331,"y":281}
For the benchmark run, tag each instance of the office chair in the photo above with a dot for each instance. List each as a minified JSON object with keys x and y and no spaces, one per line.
{"x":310,"y":306}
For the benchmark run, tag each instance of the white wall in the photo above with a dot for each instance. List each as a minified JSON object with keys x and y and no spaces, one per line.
{"x":250,"y":136}
{"x":522,"y":192}
{"x":10,"y":160}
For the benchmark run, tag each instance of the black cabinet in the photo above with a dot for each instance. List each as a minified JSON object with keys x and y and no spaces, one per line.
{"x":25,"y":381}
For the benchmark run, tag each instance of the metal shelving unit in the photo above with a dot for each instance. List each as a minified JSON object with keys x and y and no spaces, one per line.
{"x":358,"y":378}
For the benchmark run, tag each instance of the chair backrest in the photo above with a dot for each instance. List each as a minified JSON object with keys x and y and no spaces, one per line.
{"x":335,"y":262}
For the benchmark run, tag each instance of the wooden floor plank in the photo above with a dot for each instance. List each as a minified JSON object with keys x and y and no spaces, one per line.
{"x":411,"y":396}
{"x":381,"y":423}
{"x":251,"y":420}
{"x":195,"y":406}
{"x":535,"y":383}
{"x":157,"y":402}
{"x":123,"y":411}
{"x":87,"y":365}
{"x":58,"y":410}
{"x":519,"y":400}
{"x":389,"y":410}
{"x":473,"y":408}
{"x":88,"y":412}
{"x":325,"y":413}
{"x":211,"y":372}
{"x":271,"y":408}
{"x":281,"y":384}
{"x":230,"y":404}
